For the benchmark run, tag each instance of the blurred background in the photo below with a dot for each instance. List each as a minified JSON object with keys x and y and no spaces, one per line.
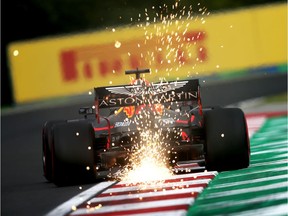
{"x":52,"y":50}
{"x":27,"y":24}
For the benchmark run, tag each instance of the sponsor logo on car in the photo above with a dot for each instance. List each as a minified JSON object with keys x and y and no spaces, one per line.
{"x":122,"y":124}
{"x":152,"y":99}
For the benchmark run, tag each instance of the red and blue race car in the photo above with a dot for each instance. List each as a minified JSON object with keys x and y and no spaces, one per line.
{"x":84,"y":149}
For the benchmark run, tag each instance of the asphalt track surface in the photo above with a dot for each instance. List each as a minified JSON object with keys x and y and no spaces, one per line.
{"x":24,"y":191}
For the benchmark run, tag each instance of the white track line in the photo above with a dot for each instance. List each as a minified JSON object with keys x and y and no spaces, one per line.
{"x":133,"y":206}
{"x":66,"y":207}
{"x":145,"y":195}
{"x":165,"y":185}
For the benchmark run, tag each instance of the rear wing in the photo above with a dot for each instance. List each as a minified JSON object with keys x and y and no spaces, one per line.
{"x":135,"y":95}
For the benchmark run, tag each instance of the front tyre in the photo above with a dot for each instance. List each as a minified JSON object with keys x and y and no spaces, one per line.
{"x":227,"y":144}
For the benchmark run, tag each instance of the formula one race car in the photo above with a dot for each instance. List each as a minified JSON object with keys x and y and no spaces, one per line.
{"x":79,"y":150}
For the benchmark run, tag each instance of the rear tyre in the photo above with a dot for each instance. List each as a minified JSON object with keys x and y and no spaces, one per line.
{"x":47,"y":132}
{"x":227,"y":144}
{"x":73,"y":153}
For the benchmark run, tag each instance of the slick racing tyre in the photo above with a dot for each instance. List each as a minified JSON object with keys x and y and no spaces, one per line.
{"x":227,"y":144}
{"x":47,"y":146}
{"x":72,"y":153}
